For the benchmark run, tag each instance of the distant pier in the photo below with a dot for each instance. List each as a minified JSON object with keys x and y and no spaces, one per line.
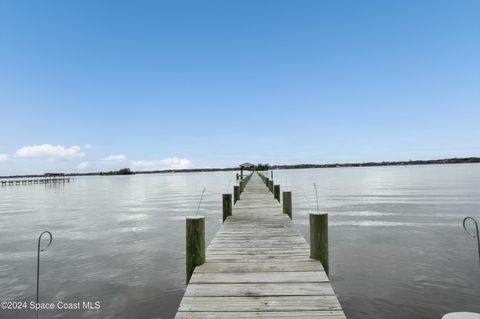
{"x":41,"y":180}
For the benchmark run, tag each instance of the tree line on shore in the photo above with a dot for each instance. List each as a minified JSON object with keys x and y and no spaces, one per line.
{"x":263,"y":167}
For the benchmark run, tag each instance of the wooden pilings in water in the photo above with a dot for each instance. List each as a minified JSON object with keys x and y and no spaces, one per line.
{"x":287,"y":203}
{"x":195,"y":237}
{"x":266,"y":181}
{"x":227,"y":205}
{"x":195,"y":230}
{"x":14,"y":182}
{"x":270,"y":185}
{"x":238,"y":189}
{"x":276,"y":192}
{"x":319,"y":238}
{"x":318,"y":224}
{"x":236,"y":194}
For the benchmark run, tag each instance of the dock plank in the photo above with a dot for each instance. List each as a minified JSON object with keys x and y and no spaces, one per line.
{"x":277,"y":303}
{"x":259,"y":277}
{"x":301,"y":314}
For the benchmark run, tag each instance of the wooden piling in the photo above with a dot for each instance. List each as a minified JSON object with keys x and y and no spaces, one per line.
{"x":319,"y":238}
{"x":270,"y":185}
{"x":236,"y":194}
{"x":276,"y":192}
{"x":227,"y":206}
{"x":287,"y":203}
{"x":195,"y":237}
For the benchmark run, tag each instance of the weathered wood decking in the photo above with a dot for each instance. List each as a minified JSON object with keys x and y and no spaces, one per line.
{"x":258,"y":266}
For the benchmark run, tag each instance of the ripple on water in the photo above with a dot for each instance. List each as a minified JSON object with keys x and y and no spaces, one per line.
{"x":379,"y":223}
{"x":10,"y":286}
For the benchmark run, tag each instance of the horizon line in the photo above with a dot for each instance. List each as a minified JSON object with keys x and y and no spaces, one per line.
{"x":452,"y":160}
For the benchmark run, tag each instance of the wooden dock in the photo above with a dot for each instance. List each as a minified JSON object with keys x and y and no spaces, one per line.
{"x":258,"y":266}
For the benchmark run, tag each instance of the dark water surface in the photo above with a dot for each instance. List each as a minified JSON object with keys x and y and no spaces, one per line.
{"x":397,"y":247}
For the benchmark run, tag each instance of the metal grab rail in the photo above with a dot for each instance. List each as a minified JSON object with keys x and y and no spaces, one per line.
{"x":38,"y":259}
{"x":474,"y":235}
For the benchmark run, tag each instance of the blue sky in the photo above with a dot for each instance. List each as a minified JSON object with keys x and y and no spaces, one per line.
{"x":90,"y":85}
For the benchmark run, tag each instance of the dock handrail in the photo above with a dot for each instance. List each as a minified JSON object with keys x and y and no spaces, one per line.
{"x":473,"y":235}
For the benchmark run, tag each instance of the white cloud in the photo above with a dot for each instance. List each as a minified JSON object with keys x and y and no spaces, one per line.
{"x":83,"y":165}
{"x":166,"y":163}
{"x":50,"y":151}
{"x":4,"y":157}
{"x":116,"y":158}
{"x":88,"y":146}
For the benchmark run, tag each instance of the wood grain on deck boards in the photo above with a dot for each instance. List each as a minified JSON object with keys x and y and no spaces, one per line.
{"x":258,"y":277}
{"x":258,"y":266}
{"x":261,"y":289}
{"x":287,"y":303}
{"x":301,"y":314}
{"x":267,"y":266}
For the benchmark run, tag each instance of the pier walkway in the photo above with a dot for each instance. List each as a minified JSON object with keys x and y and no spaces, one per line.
{"x":30,"y":181}
{"x":258,"y":266}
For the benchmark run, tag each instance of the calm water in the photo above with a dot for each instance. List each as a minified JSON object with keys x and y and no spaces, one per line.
{"x":398,"y":249}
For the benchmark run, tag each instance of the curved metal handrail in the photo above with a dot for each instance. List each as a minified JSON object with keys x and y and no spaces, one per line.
{"x":38,"y":258}
{"x":473,"y":235}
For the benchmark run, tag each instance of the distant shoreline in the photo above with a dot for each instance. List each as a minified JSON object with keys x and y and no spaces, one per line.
{"x":463,"y":160}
